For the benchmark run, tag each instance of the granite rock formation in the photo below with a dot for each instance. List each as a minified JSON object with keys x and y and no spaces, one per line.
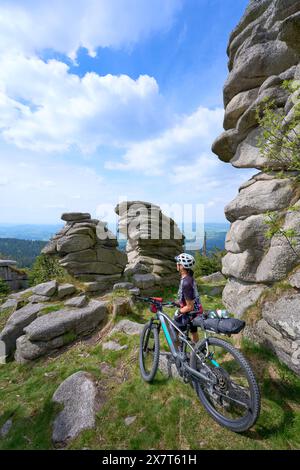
{"x":264,"y":50}
{"x":47,"y":317}
{"x":153,"y":240}
{"x":88,"y":251}
{"x":56,"y":329}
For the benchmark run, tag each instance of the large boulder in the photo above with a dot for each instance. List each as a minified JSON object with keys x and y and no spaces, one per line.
{"x":280,"y":328}
{"x":77,"y":394}
{"x":262,"y":196}
{"x":56,"y":329}
{"x":239,"y":296}
{"x":249,"y":233}
{"x":241,"y":265}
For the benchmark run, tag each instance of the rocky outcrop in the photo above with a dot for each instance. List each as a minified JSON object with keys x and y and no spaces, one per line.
{"x":153,"y":240}
{"x":57,"y":329}
{"x":88,"y":251}
{"x":15,"y":278}
{"x":15,"y":326}
{"x":264,"y":51}
{"x":279,"y":328}
{"x":45,"y":318}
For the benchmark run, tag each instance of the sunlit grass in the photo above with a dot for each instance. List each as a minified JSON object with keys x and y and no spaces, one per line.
{"x":168,"y":412}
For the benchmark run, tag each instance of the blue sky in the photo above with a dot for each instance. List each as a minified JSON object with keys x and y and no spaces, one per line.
{"x":102,"y":100}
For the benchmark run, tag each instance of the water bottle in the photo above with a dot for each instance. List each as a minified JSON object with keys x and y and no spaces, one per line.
{"x":212,"y":314}
{"x":218,"y":314}
{"x":222,"y":313}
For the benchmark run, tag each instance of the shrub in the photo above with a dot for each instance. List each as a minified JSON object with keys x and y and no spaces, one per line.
{"x":4,"y":289}
{"x":279,"y":142}
{"x":206,"y":265}
{"x":280,"y":138}
{"x":46,"y":268}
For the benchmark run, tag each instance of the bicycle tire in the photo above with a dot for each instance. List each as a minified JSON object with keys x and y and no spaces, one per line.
{"x":149,"y":376}
{"x":245,"y":423}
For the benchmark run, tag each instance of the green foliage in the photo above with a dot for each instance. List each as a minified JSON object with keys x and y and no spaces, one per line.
{"x":4,"y":289}
{"x":22,"y":251}
{"x":51,"y":308}
{"x":206,"y":265}
{"x":279,"y":141}
{"x":274,"y":222}
{"x":46,"y":268}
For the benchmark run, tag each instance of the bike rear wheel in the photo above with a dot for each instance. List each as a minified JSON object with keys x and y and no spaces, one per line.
{"x":149,"y":352}
{"x":234,"y":399}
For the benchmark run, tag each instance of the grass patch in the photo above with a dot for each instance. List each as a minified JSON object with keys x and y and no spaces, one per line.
{"x":69,"y":337}
{"x":51,"y":308}
{"x":168,"y":412}
{"x":4,"y":316}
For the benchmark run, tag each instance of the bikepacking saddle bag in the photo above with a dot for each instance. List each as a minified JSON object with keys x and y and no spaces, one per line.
{"x":225,"y":326}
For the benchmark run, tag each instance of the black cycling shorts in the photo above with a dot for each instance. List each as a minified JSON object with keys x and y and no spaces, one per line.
{"x":182,"y":321}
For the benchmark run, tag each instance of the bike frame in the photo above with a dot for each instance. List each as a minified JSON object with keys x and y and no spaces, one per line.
{"x":163,"y":318}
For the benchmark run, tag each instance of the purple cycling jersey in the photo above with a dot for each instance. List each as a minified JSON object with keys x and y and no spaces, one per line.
{"x":188,"y":291}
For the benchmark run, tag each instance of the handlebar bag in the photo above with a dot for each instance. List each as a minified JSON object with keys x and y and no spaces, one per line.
{"x":226,"y":326}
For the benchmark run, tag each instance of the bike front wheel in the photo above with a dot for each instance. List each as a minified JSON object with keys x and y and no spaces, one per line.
{"x":231,"y":396}
{"x":149,"y":352}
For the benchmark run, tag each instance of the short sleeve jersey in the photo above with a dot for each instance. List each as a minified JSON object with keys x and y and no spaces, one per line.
{"x":188,"y":291}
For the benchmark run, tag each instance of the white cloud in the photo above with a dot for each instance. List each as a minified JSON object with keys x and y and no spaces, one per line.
{"x":44,"y":107}
{"x":186,"y":140}
{"x":65,"y":25}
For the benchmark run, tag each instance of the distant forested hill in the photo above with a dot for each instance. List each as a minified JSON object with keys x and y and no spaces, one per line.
{"x":22,"y":251}
{"x":24,"y":242}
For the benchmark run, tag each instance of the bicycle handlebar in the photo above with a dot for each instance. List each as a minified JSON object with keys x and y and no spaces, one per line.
{"x":154,"y":300}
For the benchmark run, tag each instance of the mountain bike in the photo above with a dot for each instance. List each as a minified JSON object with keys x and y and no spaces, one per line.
{"x":219,"y":373}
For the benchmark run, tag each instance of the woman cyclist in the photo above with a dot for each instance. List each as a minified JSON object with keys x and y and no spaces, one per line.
{"x":188,"y":296}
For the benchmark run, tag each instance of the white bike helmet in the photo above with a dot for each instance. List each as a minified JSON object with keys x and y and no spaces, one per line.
{"x":186,"y":260}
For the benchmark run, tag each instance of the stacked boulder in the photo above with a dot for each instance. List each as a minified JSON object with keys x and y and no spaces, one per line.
{"x":88,"y":251}
{"x":153,"y":240}
{"x":264,"y":51}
